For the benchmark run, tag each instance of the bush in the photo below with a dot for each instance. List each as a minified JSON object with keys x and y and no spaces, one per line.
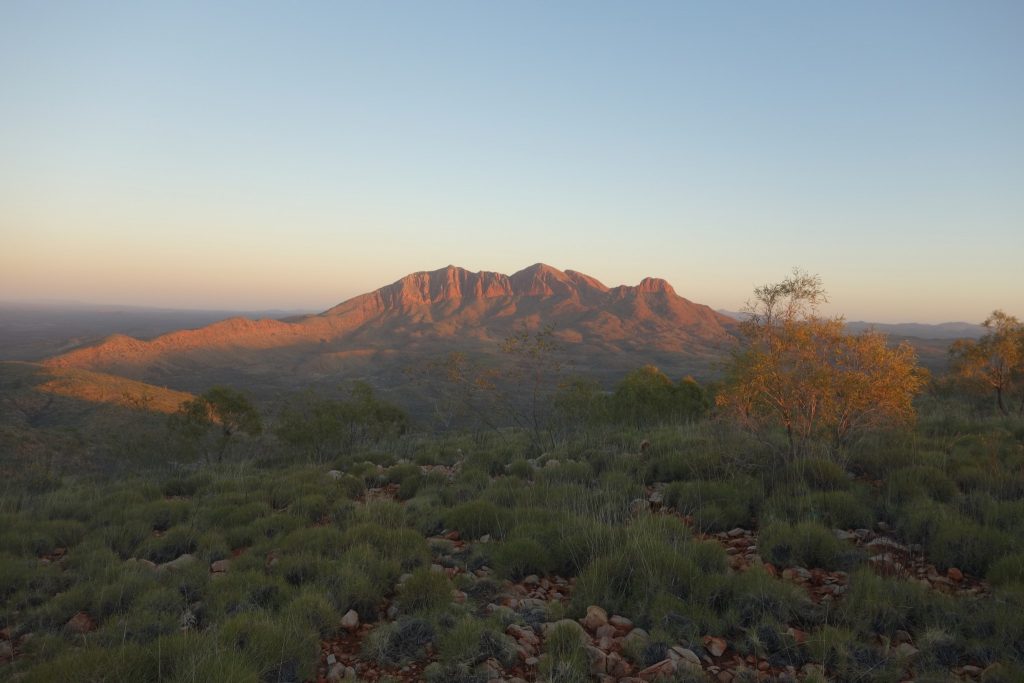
{"x":959,"y":543}
{"x":818,"y":474}
{"x":424,"y":591}
{"x":716,"y":505}
{"x":914,"y":482}
{"x":836,"y":509}
{"x":805,"y":544}
{"x":519,"y":557}
{"x":565,"y":659}
{"x":175,"y":542}
{"x":1006,"y":570}
{"x":281,"y":650}
{"x":477,"y":518}
{"x":398,"y":642}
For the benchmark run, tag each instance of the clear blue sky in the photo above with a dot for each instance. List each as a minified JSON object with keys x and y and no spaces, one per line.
{"x":257,"y":155}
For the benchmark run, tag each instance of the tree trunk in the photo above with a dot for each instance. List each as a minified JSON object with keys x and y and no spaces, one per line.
{"x":999,"y":401}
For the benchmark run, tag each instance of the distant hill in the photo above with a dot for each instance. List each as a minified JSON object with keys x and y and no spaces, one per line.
{"x":33,"y":330}
{"x":77,"y":420}
{"x":922,"y":330}
{"x":956,"y":330}
{"x":378,"y":336}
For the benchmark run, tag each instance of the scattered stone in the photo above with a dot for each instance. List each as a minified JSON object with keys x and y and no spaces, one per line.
{"x":621,"y":623}
{"x":80,"y":623}
{"x":638,"y":506}
{"x":350,"y":622}
{"x":955,"y":574}
{"x":220,"y":566}
{"x":716,"y":646}
{"x":179,"y":562}
{"x":905,"y":650}
{"x":598,"y":660}
{"x":680,"y":653}
{"x":335,"y":474}
{"x":596,"y":617}
{"x":336,"y":673}
{"x":6,"y":651}
{"x":662,"y":671}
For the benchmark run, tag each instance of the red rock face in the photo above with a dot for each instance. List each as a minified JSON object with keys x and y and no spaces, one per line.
{"x":447,"y":304}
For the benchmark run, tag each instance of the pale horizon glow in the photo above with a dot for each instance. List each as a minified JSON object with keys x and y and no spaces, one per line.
{"x":268,"y":156}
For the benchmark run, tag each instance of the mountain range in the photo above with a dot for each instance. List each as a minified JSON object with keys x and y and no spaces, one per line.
{"x":379,"y":336}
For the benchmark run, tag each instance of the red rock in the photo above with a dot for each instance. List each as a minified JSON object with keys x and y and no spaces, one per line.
{"x":80,"y":623}
{"x":662,"y":671}
{"x":955,"y":574}
{"x":596,"y":618}
{"x":716,"y":646}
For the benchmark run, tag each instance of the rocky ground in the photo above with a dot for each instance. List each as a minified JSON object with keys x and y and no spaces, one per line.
{"x":609,"y":640}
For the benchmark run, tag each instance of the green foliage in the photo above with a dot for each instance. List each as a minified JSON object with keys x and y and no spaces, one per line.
{"x":647,"y":396}
{"x":477,"y":518}
{"x":323,"y":428}
{"x":221,"y":409}
{"x":565,"y":659}
{"x":805,"y":544}
{"x":424,"y":591}
{"x":716,"y":505}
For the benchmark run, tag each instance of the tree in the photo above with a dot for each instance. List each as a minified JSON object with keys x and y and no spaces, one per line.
{"x":797,"y":370}
{"x":323,"y":427}
{"x":996,"y":361}
{"x":222,"y":407}
{"x":536,"y":370}
{"x":647,"y":396}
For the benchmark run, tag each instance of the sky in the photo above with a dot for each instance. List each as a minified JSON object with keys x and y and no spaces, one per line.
{"x":258,"y":155}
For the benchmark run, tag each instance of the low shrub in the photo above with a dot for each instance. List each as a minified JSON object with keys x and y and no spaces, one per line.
{"x":716,"y":505}
{"x":477,"y":518}
{"x":805,"y":544}
{"x":425,"y":591}
{"x":395,"y":643}
{"x":1008,"y":569}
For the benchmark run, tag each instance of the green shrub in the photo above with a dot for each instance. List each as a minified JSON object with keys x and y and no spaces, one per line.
{"x":175,"y":542}
{"x":312,"y":610}
{"x":878,"y":605}
{"x":404,"y":546}
{"x":519,"y":557}
{"x":471,"y":641}
{"x":312,"y":507}
{"x":836,"y":509}
{"x":716,"y":505}
{"x":184,"y":486}
{"x":425,"y":591}
{"x":806,"y":544}
{"x":245,"y":591}
{"x":281,"y":650}
{"x":395,"y":643}
{"x":1006,"y":570}
{"x":818,"y":474}
{"x":565,"y":659}
{"x":906,"y":484}
{"x":477,"y":518}
{"x":959,"y":543}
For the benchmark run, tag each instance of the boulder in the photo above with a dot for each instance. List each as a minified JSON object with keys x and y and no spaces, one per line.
{"x":179,"y":562}
{"x":350,"y":622}
{"x":80,"y":623}
{"x":596,"y":618}
{"x":715,"y":646}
